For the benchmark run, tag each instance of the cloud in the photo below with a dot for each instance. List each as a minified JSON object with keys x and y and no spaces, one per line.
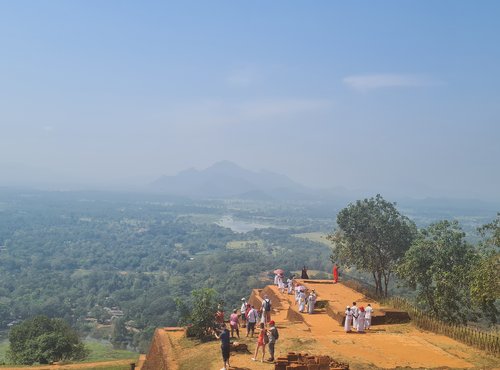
{"x":377,"y":81}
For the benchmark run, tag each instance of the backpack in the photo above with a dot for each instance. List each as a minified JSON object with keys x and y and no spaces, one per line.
{"x":267,"y":305}
{"x":266,"y":338}
{"x":276,"y":334}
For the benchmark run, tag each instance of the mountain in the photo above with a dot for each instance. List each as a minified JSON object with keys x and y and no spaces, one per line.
{"x":228,"y":180}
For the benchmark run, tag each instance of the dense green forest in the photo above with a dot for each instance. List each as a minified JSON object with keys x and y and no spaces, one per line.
{"x":74,"y":256}
{"x":86,"y":257}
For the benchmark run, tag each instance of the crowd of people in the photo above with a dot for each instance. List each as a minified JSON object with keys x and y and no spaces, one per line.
{"x":258,"y":321}
{"x":249,"y":318}
{"x":358,"y":318}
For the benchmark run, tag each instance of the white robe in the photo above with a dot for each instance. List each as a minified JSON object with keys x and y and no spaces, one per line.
{"x":302,"y":301}
{"x":354,"y":311}
{"x":348,"y":318}
{"x":361,"y":322}
{"x":297,"y":294}
{"x":281,"y":285}
{"x":311,"y":301}
{"x":368,"y":317}
{"x":290,"y":286}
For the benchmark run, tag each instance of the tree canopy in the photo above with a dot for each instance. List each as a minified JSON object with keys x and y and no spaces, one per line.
{"x":439,"y":265}
{"x":200,"y":316}
{"x":372,"y":236}
{"x":43,"y":340}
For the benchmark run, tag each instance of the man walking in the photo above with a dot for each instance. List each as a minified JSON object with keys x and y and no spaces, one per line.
{"x":273,"y":337}
{"x":243,"y":311}
{"x":252,"y":318}
{"x":266,"y":309}
{"x":224,"y":346}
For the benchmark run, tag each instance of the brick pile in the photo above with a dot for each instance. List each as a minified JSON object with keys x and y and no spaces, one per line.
{"x":304,"y":361}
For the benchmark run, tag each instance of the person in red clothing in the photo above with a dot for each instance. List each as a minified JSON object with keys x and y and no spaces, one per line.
{"x":219,"y":317}
{"x":335,"y":273}
{"x":262,"y":340}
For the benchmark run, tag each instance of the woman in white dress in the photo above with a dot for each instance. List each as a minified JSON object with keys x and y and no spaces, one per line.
{"x":361,"y":320}
{"x":281,"y":284}
{"x":302,"y":301}
{"x":368,"y":316}
{"x":289,"y":284}
{"x":311,"y":301}
{"x":348,"y":318}
{"x":354,"y":310}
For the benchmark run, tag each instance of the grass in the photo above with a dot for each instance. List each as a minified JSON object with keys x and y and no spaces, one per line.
{"x":242,"y":244}
{"x":199,"y":355}
{"x":99,"y":351}
{"x":317,"y":237}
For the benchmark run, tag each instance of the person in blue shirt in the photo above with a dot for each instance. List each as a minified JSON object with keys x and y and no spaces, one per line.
{"x":224,"y":337}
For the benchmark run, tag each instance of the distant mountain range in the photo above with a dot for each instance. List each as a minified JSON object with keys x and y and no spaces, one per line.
{"x":228,"y":180}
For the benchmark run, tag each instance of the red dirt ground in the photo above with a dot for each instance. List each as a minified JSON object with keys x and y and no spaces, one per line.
{"x":383,"y":346}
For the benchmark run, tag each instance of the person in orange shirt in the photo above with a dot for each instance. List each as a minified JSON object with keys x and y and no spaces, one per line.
{"x":335,"y":273}
{"x":262,"y":340}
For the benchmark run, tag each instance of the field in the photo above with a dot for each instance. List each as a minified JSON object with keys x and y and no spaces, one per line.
{"x":243,"y":244}
{"x":317,"y":237}
{"x":99,"y":351}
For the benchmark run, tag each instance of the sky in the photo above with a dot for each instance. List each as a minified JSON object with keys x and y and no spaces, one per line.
{"x":397,"y":97}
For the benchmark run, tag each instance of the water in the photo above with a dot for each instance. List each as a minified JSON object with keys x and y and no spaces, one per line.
{"x":239,"y":226}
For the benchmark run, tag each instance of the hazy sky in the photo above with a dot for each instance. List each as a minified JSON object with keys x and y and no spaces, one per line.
{"x":395,"y":96}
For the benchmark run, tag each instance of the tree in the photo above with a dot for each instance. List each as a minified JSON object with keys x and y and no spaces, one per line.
{"x":491,"y":234}
{"x":438,"y":265}
{"x":43,"y":340}
{"x":120,"y":336}
{"x":485,"y":285}
{"x":372,"y":236}
{"x":485,"y":280}
{"x":200,"y":318}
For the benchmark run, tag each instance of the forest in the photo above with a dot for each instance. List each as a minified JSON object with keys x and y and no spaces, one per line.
{"x":75,"y":256}
{"x":89,"y":257}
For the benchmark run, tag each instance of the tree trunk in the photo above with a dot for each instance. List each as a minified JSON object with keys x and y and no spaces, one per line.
{"x":379,"y":278}
{"x":386,"y":281}
{"x":376,"y":282}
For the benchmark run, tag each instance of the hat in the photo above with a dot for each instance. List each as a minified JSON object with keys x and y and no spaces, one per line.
{"x":347,"y":307}
{"x":243,"y":299}
{"x":271,"y":322}
{"x":362,"y":309}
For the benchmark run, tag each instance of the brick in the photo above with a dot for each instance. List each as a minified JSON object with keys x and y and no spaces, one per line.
{"x":324,"y":360}
{"x":296,"y":367}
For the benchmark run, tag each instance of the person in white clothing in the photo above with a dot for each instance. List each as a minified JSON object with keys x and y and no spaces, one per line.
{"x":311,"y":301}
{"x":348,"y":318}
{"x":243,"y":311}
{"x":297,"y":292}
{"x":289,"y":284}
{"x":368,"y":316}
{"x":252,"y":318}
{"x":302,"y":301}
{"x":354,"y":310}
{"x":361,"y":320}
{"x":276,"y":277}
{"x":281,"y":284}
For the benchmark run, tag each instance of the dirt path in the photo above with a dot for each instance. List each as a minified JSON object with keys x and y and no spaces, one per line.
{"x":384,"y":346}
